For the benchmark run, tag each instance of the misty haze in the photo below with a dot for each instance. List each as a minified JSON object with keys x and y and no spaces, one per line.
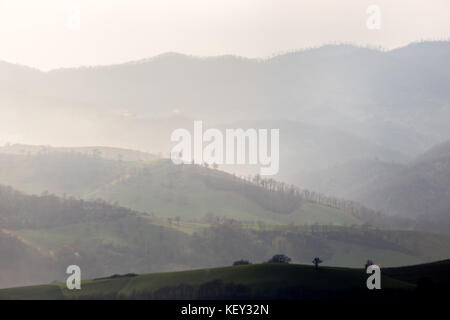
{"x":87,"y":179}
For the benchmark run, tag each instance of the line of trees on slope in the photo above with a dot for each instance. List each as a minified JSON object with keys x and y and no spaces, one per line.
{"x":293,"y":194}
{"x":20,"y":211}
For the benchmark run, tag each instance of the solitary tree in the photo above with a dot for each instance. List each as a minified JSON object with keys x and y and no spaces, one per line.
{"x":316,"y":262}
{"x":279,"y":258}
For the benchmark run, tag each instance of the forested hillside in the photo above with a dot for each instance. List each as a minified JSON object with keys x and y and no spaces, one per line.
{"x":45,"y":234}
{"x":190,"y":192}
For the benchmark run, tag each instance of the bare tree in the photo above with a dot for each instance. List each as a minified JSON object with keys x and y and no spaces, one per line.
{"x":316,"y":262}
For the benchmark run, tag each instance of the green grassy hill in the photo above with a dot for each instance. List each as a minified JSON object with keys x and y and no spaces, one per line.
{"x":193,"y":192}
{"x":45,"y":234}
{"x":156,"y":186}
{"x":435,"y":272}
{"x":223,"y":218}
{"x":264,"y":280}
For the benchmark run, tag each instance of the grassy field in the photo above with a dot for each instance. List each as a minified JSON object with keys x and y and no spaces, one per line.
{"x":156,"y":187}
{"x":168,"y":191}
{"x":130,"y":244}
{"x":189,"y":217}
{"x":260,"y":278}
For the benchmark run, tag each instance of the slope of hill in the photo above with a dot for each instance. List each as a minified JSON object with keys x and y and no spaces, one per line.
{"x":23,"y":211}
{"x":193,"y":192}
{"x":419,"y":188}
{"x":47,"y":233}
{"x":437,"y":273}
{"x":41,"y":235}
{"x":188,"y":192}
{"x":440,"y":151}
{"x":160,"y":188}
{"x":269,"y":281}
{"x":60,"y":173}
{"x":307,"y":148}
{"x":16,"y":257}
{"x":350,"y":179}
{"x":345,"y":103}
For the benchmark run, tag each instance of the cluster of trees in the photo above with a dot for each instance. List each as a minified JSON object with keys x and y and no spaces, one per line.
{"x":281,"y":258}
{"x":241,"y":263}
{"x":20,"y":211}
{"x":278,"y":258}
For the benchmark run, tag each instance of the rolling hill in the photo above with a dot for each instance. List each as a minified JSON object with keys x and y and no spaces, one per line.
{"x":145,"y":183}
{"x":268,"y":281}
{"x":45,"y":234}
{"x":363,"y":112}
{"x":158,"y":187}
{"x":418,"y":189}
{"x":307,"y":148}
{"x":350,"y":179}
{"x":16,"y":257}
{"x":397,"y":99}
{"x":344,"y":103}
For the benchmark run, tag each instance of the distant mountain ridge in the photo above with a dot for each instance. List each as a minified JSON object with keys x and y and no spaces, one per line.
{"x":354,"y":123}
{"x":398,"y":98}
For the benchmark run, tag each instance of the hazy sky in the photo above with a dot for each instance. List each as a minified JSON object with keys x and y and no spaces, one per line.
{"x":45,"y":33}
